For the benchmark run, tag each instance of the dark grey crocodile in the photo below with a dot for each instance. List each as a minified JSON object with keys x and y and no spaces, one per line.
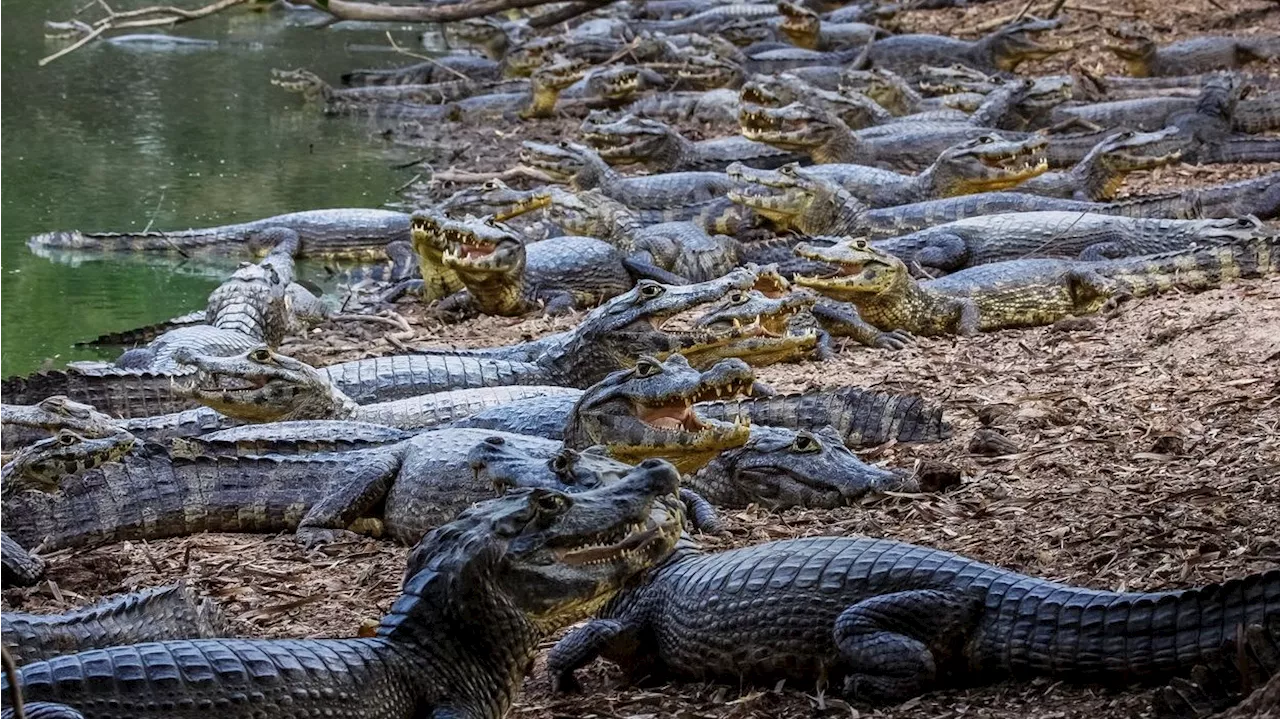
{"x":153,"y":615}
{"x":1002,"y":50}
{"x":541,"y":558}
{"x":438,"y":69}
{"x":661,"y":148}
{"x":884,"y":621}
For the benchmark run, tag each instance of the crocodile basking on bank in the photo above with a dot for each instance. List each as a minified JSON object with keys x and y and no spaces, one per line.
{"x":537,"y":560}
{"x":883,"y":621}
{"x":346,"y":233}
{"x":1099,"y":175}
{"x":660,"y":148}
{"x":153,"y":615}
{"x":1201,"y":54}
{"x":438,"y":69}
{"x":1021,"y":293}
{"x":1001,"y":51}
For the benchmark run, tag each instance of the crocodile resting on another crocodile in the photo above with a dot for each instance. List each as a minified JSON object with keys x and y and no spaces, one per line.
{"x":480,"y":594}
{"x":1022,"y":293}
{"x":884,"y":621}
{"x":153,"y":615}
{"x":660,"y":148}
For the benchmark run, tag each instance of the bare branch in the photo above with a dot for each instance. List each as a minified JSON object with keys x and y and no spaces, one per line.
{"x":165,"y":15}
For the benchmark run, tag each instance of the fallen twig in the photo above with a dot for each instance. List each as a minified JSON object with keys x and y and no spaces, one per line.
{"x":396,"y":46}
{"x":167,"y":15}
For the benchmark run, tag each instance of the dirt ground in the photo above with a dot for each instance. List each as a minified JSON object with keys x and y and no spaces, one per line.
{"x":1148,"y":457}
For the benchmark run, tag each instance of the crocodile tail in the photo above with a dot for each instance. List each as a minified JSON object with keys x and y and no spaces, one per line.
{"x":1198,"y":269}
{"x":1242,"y":149}
{"x":1089,"y":635}
{"x":118,"y":392}
{"x":112,"y":241}
{"x":878,"y":417}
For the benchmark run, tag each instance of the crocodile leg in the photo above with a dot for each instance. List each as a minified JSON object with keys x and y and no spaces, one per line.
{"x":842,"y":320}
{"x":944,"y":252}
{"x":897,"y":644}
{"x":21,"y":569}
{"x":45,"y":710}
{"x":366,"y":485}
{"x":619,"y":640}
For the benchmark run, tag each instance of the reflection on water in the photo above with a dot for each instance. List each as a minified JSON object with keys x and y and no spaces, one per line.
{"x":139,"y":135}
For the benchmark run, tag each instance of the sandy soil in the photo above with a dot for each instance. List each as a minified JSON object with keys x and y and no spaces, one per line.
{"x":1148,"y":457}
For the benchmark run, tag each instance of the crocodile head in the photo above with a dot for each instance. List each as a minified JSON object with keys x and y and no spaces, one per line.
{"x":860,"y":270}
{"x":506,"y":467}
{"x":489,"y":257}
{"x":1126,"y":152}
{"x":621,"y":84}
{"x":705,"y":72}
{"x":986,"y":164}
{"x":25,"y":424}
{"x":525,"y":58}
{"x":1232,"y":230}
{"x":485,"y":33}
{"x":561,"y":161}
{"x":766,"y":91}
{"x":628,"y":140}
{"x":796,"y":127}
{"x":548,"y":82}
{"x":261,"y":386}
{"x":491,"y":197}
{"x":956,"y":78}
{"x":42,"y":466}
{"x":742,"y":32}
{"x":801,"y":25}
{"x":302,"y":81}
{"x":780,"y":468}
{"x":1018,"y":42}
{"x":512,"y":569}
{"x":1134,"y":47}
{"x":647,"y":411}
{"x":795,"y":200}
{"x":753,"y":309}
{"x":886,"y":88}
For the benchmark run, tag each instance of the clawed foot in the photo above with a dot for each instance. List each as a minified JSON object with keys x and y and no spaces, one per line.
{"x":1111,"y":307}
{"x":895,"y":340}
{"x":312,"y":537}
{"x":565,"y":683}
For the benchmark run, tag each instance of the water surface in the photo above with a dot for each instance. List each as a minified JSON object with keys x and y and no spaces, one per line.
{"x":109,"y":138}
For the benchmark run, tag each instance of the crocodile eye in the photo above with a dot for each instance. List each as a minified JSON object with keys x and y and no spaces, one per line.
{"x":262,"y":355}
{"x":805,"y":443}
{"x":548,"y":502}
{"x":489,"y":185}
{"x":650,"y":290}
{"x":738,"y":297}
{"x":648,"y":368}
{"x":986,"y":139}
{"x":860,"y":244}
{"x":66,"y":439}
{"x":788,"y":170}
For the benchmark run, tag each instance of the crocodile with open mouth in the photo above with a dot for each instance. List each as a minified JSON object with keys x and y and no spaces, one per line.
{"x":660,"y":148}
{"x":480,"y":594}
{"x":1099,"y":175}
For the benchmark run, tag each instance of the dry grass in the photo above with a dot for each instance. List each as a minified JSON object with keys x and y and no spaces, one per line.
{"x":1148,"y":457}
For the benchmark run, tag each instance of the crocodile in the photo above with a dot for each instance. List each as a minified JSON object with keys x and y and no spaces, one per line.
{"x":363,"y":100}
{"x":1022,"y":293}
{"x":887,"y":88}
{"x":41,"y":465}
{"x":25,"y":424}
{"x":538,"y":559}
{"x":438,"y":69}
{"x":660,"y":148}
{"x":438,"y":281}
{"x":1251,"y":115}
{"x":582,"y":169}
{"x":713,"y":107}
{"x":153,"y":615}
{"x":884,"y":621}
{"x":709,"y":21}
{"x":504,"y":276}
{"x":827,"y":139}
{"x":1203,"y":54}
{"x":1000,"y":51}
{"x":1100,"y":174}
{"x":854,"y":110}
{"x":346,"y":233}
{"x":1242,"y":679}
{"x":985,"y":163}
{"x":20,"y":568}
{"x":292,"y":437}
{"x":805,"y":28}
{"x":1070,"y":235}
{"x":264,"y":386}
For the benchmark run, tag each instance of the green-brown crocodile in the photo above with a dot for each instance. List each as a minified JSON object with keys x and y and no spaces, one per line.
{"x":1203,"y":54}
{"x":480,"y":595}
{"x":806,"y":28}
{"x":1021,"y":293}
{"x":660,"y":148}
{"x":1099,"y":176}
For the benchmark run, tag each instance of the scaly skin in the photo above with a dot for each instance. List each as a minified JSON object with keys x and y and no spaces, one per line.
{"x":1188,"y":57}
{"x":439,"y":69}
{"x":25,"y":424}
{"x":1002,"y":50}
{"x":426,"y":231}
{"x":1153,"y":113}
{"x":1099,"y":176}
{"x":805,"y":28}
{"x":361,"y":100}
{"x":346,"y":233}
{"x":855,"y":111}
{"x":707,"y":22}
{"x":583,"y":169}
{"x":480,"y":594}
{"x":885,"y":621}
{"x":263,"y":386}
{"x":660,"y":148}
{"x":647,"y":411}
{"x":1069,"y":235}
{"x":714,"y":106}
{"x":1022,"y":293}
{"x":504,"y":276}
{"x":153,"y":615}
{"x":293,"y":437}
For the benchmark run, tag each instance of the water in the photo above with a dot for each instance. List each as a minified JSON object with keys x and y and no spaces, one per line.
{"x":109,"y":138}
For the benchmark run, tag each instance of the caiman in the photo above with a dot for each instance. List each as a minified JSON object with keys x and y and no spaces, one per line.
{"x":26,"y":424}
{"x":504,"y":276}
{"x":438,"y":69}
{"x":346,"y":233}
{"x":660,"y":148}
{"x":805,"y":28}
{"x":1252,"y":115}
{"x":1001,"y":51}
{"x":1101,"y":173}
{"x":582,"y":169}
{"x":1202,"y":54}
{"x":1069,"y":235}
{"x":714,"y":107}
{"x":884,"y":621}
{"x":153,"y":615}
{"x":427,"y":231}
{"x":1022,"y":293}
{"x":480,"y":595}
{"x":983,"y":164}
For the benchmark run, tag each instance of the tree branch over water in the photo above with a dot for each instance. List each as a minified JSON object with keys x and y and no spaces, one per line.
{"x":153,"y":16}
{"x":374,"y":12}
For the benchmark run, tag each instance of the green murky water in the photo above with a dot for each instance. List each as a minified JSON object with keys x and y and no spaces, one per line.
{"x":110,"y":138}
